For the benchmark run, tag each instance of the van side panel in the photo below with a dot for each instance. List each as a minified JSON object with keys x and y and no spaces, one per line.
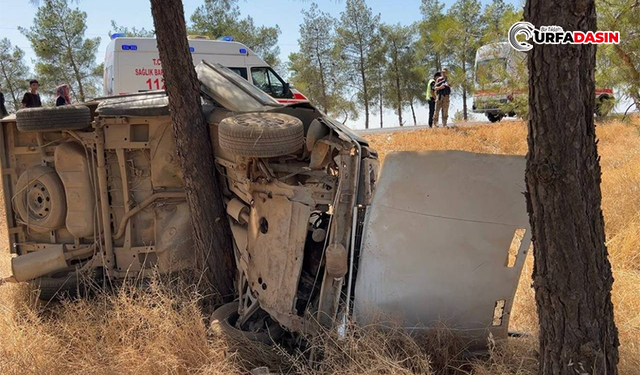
{"x":137,"y":67}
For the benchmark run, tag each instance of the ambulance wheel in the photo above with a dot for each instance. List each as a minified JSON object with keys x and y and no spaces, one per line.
{"x":47,"y":119}
{"x":494,"y":117}
{"x":40,"y":199}
{"x":261,"y":135}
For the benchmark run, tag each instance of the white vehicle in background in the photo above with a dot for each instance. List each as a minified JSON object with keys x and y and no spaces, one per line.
{"x":497,"y":67}
{"x":133,"y":65}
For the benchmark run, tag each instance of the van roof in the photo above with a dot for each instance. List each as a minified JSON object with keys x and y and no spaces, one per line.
{"x":493,"y":50}
{"x":199,"y":46}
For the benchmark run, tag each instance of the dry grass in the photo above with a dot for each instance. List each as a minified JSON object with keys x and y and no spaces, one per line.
{"x":163,"y":329}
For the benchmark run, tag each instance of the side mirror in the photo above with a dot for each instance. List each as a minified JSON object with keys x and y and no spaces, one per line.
{"x":286,"y":90}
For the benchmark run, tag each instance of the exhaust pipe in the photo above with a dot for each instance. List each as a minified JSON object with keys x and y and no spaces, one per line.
{"x":38,"y":263}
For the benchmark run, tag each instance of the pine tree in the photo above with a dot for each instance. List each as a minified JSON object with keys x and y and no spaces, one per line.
{"x":399,"y":67}
{"x":492,"y":20}
{"x":317,"y":70}
{"x":572,"y":274}
{"x":14,"y":74}
{"x":467,"y":15}
{"x":218,"y":18}
{"x":131,"y":31}
{"x":212,"y":239}
{"x":64,"y":54}
{"x":357,"y":41}
{"x":619,"y":64}
{"x":432,"y":14}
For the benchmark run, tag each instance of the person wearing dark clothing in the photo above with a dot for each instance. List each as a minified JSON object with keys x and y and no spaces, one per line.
{"x":32,"y":99}
{"x":3,"y":109}
{"x":63,"y":95}
{"x":443,"y":91}
{"x":431,"y":96}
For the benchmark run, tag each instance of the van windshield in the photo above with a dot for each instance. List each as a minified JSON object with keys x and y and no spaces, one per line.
{"x":232,"y":91}
{"x":491,"y":71}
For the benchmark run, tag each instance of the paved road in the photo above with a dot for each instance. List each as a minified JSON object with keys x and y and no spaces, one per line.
{"x":412,"y":128}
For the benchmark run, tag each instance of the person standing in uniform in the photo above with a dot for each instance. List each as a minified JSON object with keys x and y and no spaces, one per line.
{"x":443,"y":91}
{"x":3,"y":109}
{"x":63,"y":98}
{"x":431,"y":96}
{"x":32,"y":99}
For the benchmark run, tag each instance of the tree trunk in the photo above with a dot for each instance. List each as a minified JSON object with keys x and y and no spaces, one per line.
{"x":413,"y":112}
{"x":464,"y":104}
{"x":465,"y":115}
{"x":365,"y":97}
{"x":398,"y":94}
{"x":572,"y":274}
{"x":211,"y":232}
{"x":381,"y":108}
{"x":363,"y":76}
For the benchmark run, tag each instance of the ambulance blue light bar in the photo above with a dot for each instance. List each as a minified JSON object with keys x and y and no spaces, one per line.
{"x":129,"y":47}
{"x":227,"y":38}
{"x":118,"y":35}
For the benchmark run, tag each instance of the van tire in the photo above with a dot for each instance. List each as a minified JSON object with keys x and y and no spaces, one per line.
{"x":494,"y":117}
{"x":223,"y":320}
{"x":40,"y":199}
{"x":261,"y":135}
{"x":601,"y":108}
{"x":45,"y":119}
{"x":57,"y":284}
{"x":66,"y":283}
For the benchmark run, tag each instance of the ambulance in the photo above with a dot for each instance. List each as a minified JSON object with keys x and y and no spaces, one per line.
{"x":133,"y":65}
{"x":496,"y":66}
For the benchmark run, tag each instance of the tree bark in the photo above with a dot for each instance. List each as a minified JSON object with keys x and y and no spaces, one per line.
{"x":363,"y":76}
{"x":572,"y":275}
{"x":380,"y":103}
{"x":413,"y":113}
{"x":365,"y":95}
{"x":465,"y":115}
{"x":211,"y":232}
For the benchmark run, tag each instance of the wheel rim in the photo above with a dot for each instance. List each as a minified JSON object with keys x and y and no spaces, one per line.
{"x":38,"y":201}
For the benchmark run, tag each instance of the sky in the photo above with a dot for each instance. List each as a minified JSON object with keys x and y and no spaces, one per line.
{"x":284,"y":13}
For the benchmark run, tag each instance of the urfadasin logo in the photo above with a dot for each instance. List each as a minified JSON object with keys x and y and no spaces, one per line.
{"x":524,"y":28}
{"x":556,"y":35}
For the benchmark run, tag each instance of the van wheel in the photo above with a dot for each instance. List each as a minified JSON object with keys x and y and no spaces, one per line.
{"x":65,"y":283}
{"x":264,"y":329}
{"x":57,"y":284}
{"x":40,"y":199}
{"x":493,"y":117}
{"x":602,"y":106}
{"x":45,"y":119}
{"x":261,"y":135}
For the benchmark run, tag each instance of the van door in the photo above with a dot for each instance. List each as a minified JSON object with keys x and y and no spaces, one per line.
{"x":267,"y":80}
{"x":445,"y":242}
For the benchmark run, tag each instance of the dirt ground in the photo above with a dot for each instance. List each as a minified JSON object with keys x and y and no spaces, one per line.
{"x":162,"y":329}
